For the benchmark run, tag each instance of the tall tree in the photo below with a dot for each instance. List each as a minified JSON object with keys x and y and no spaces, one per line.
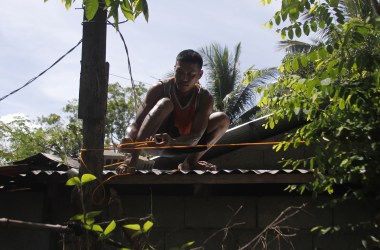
{"x":338,"y":94}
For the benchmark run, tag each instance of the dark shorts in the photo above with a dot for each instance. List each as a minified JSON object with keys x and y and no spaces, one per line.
{"x":170,"y":129}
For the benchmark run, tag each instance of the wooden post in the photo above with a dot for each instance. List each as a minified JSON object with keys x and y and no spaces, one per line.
{"x":92,"y":110}
{"x":93,"y":92}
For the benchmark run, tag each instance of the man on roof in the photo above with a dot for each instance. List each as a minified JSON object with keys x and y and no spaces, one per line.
{"x":177,"y":112}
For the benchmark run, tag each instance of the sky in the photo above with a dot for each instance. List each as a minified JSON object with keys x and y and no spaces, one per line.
{"x":34,"y":34}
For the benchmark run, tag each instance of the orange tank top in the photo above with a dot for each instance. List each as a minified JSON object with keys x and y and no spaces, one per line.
{"x":183,"y":115}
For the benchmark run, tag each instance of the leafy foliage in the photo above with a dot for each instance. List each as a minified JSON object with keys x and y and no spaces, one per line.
{"x":121,"y":110}
{"x":22,"y":137}
{"x":54,"y":134}
{"x":131,"y":9}
{"x":335,"y":87}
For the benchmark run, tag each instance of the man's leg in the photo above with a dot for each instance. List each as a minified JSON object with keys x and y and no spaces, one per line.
{"x":217,"y":125}
{"x":156,"y":117}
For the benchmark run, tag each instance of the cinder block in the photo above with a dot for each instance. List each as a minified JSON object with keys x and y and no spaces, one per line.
{"x":208,"y":239}
{"x":254,"y":239}
{"x":338,"y":241}
{"x":169,"y":211}
{"x":22,"y":205}
{"x":269,"y":208}
{"x":215,"y":212}
{"x":352,"y":212}
{"x":25,"y":206}
{"x":136,"y":205}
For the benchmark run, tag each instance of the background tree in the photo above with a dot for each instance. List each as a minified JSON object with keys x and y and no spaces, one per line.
{"x":339,"y":97}
{"x":62,"y":136}
{"x":121,"y":110}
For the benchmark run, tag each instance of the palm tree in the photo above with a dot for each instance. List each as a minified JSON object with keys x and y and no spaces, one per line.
{"x":223,"y":71}
{"x":234,"y":95}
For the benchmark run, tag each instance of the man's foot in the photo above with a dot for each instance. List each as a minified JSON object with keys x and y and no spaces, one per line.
{"x":127,"y":167}
{"x":200,"y":165}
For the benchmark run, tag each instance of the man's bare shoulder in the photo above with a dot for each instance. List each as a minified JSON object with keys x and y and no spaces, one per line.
{"x":205,"y":94}
{"x":157,"y":89}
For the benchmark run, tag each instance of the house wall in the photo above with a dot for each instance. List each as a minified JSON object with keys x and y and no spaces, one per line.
{"x":181,"y":219}
{"x":191,"y":213}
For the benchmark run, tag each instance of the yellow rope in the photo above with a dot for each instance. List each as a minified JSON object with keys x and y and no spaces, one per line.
{"x":143,"y":145}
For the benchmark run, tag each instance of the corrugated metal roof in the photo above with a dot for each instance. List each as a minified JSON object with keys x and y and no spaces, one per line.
{"x":155,"y":176}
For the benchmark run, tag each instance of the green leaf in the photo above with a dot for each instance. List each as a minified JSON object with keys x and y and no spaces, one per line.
{"x":93,"y":214}
{"x":73,"y":181}
{"x":87,"y":178}
{"x":97,"y":228}
{"x":147,"y":225}
{"x":322,"y":53}
{"x":316,"y":228}
{"x":135,"y":227}
{"x":342,"y":104}
{"x":187,"y":244}
{"x":290,"y":34}
{"x":135,"y":234}
{"x":304,"y":60}
{"x":295,"y":64}
{"x":126,"y":8}
{"x":287,"y":66}
{"x":330,"y":49}
{"x":91,"y":7}
{"x":321,"y":24}
{"x":77,"y":217}
{"x":110,"y":227}
{"x":314,"y":26}
{"x":334,"y":3}
{"x":313,"y":9}
{"x":138,"y":7}
{"x":283,"y":33}
{"x":277,"y":18}
{"x":298,"y":31}
{"x":145,"y":10}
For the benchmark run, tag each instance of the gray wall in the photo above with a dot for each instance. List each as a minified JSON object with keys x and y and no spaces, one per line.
{"x":183,"y":216}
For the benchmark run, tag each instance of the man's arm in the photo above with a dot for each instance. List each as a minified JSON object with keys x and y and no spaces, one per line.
{"x":153,"y":95}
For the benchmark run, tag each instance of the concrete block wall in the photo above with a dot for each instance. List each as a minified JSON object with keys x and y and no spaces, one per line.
{"x":26,"y":206}
{"x":181,"y":219}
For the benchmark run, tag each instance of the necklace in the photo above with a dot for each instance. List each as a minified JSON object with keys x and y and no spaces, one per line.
{"x":179,"y":103}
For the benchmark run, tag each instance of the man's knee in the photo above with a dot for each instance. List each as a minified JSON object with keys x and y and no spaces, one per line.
{"x":164,"y":106}
{"x":220,"y":121}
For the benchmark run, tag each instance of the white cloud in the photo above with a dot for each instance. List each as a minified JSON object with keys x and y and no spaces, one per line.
{"x":11,"y":117}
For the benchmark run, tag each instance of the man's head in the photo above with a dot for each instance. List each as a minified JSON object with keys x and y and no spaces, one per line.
{"x":190,"y":56}
{"x":188,"y":70}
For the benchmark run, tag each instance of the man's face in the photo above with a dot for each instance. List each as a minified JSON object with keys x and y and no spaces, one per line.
{"x":186,"y":75}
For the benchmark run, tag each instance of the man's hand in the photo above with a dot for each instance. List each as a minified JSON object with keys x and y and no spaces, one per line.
{"x":163,"y":140}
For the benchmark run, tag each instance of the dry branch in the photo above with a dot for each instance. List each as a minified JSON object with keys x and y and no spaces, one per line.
{"x":5,"y":222}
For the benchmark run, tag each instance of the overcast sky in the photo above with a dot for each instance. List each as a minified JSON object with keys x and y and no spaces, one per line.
{"x":34,"y":34}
